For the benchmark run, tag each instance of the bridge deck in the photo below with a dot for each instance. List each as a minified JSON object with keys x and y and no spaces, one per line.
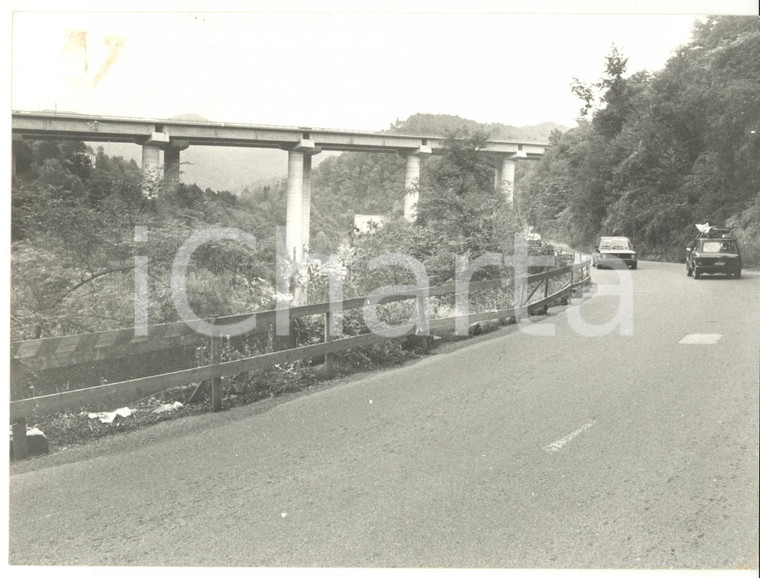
{"x":92,"y":128}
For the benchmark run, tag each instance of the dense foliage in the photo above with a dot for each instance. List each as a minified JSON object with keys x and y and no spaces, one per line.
{"x":76,"y":214}
{"x":74,"y":219}
{"x":461,"y":215}
{"x":373,"y":184}
{"x":655,"y":153}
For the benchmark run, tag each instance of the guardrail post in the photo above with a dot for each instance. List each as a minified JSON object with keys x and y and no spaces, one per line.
{"x":521,"y":290}
{"x":288,"y":341}
{"x":422,"y":323}
{"x":566,"y":299}
{"x":20,"y":446}
{"x":586,"y":277}
{"x":329,"y":357}
{"x":216,"y":383}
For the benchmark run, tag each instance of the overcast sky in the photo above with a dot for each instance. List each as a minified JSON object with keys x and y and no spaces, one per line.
{"x":285,"y":65}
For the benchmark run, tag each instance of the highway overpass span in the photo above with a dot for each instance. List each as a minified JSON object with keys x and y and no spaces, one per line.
{"x":301,"y":143}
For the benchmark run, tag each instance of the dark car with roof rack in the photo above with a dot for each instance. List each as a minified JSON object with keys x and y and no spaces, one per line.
{"x":715,"y":251}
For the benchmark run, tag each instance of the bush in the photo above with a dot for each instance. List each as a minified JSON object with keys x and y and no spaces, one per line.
{"x":746,"y":227}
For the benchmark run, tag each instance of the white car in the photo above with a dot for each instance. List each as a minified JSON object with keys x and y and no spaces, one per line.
{"x":612,"y":251}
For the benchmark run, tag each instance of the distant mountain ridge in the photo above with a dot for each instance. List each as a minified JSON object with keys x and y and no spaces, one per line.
{"x":441,"y":124}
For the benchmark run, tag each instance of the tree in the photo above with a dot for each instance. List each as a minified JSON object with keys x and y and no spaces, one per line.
{"x":658,"y":152}
{"x":74,"y":248}
{"x":460,"y":213}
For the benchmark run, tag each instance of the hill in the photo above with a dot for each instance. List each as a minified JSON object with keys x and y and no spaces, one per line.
{"x":439,"y":124}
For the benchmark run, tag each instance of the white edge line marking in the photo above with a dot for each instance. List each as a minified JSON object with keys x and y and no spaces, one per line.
{"x":701,"y":338}
{"x":556,"y":446}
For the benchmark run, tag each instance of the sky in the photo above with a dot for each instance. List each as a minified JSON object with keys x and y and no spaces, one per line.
{"x":330,"y":64}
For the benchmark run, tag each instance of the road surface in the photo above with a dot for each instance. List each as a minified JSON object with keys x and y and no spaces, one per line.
{"x":516,"y":451}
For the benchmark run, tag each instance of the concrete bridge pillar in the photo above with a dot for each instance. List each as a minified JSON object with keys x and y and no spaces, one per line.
{"x":299,"y":199}
{"x":411,"y":186}
{"x":299,"y":210}
{"x":505,"y":175}
{"x":171,"y":164}
{"x":151,"y":169}
{"x":151,"y":161}
{"x":15,"y":142}
{"x":13,"y":163}
{"x":306,"y":205}
{"x":294,"y":218}
{"x":412,"y":181}
{"x":171,"y":159}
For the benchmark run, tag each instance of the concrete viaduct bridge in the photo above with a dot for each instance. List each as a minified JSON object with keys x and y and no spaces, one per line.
{"x":301,"y":143}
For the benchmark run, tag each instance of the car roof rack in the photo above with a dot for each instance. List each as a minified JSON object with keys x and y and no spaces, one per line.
{"x":708,"y":231}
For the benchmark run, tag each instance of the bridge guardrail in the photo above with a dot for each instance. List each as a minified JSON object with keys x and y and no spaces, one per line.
{"x":112,"y":344}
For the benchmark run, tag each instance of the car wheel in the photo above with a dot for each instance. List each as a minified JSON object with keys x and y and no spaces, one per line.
{"x":738,"y":274}
{"x":635,"y":266}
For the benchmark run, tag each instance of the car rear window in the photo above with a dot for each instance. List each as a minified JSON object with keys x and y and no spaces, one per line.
{"x":614,"y":243}
{"x":719,"y":247}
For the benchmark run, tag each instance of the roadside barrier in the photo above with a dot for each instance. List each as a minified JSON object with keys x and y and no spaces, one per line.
{"x":532,"y":295}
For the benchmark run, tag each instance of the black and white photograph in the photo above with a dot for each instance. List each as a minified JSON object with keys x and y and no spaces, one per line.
{"x":398,"y":287}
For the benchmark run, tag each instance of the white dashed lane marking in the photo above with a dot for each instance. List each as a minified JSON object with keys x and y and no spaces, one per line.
{"x":560,"y":443}
{"x":701,"y":339}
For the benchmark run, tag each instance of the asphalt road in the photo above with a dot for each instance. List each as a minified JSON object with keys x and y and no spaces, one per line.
{"x":520,"y":450}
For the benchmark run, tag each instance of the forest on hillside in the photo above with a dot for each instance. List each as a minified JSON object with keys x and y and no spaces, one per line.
{"x":75,"y":218}
{"x":81,"y":221}
{"x":362,"y":183}
{"x":653,"y":153}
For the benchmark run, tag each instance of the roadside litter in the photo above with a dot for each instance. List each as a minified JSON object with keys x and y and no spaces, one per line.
{"x":167,"y":407}
{"x":109,"y":416}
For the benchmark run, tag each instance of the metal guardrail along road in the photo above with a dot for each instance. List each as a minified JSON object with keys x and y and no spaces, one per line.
{"x":54,"y":352}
